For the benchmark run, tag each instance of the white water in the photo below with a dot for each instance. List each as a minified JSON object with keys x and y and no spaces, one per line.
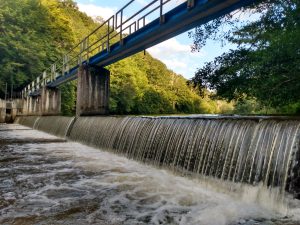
{"x":69,"y":183}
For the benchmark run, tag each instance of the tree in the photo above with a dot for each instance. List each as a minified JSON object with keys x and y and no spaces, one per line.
{"x":266,"y":64}
{"x":31,"y":39}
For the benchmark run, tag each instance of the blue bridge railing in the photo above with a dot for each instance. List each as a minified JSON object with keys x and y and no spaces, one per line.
{"x":108,"y":33}
{"x":122,"y":35}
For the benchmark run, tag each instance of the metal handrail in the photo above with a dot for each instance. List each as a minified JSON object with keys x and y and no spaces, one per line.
{"x":87,"y":47}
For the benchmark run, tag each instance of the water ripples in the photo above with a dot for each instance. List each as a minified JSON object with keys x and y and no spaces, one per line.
{"x":45,"y":180}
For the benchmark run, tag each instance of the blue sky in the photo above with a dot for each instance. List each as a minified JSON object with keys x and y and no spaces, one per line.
{"x":175,"y":53}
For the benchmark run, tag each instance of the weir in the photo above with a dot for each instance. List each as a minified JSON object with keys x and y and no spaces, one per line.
{"x":252,"y":150}
{"x":58,"y":125}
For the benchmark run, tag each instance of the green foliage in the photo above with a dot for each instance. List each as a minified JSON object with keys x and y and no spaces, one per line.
{"x":248,"y":105}
{"x":265,"y":67}
{"x":30,"y":40}
{"x":68,"y":95}
{"x":143,"y":85}
{"x":154,"y":102}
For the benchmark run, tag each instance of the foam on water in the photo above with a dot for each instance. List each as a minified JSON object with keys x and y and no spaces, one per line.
{"x":43,"y":182}
{"x":160,"y":192}
{"x":18,"y":132}
{"x":248,"y":150}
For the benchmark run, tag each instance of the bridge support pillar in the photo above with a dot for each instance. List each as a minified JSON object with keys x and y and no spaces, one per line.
{"x":24,"y":106}
{"x":2,"y":111}
{"x":33,"y":105}
{"x":50,"y":101}
{"x":92,"y":91}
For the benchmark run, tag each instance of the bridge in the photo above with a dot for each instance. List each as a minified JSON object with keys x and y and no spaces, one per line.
{"x":118,"y":37}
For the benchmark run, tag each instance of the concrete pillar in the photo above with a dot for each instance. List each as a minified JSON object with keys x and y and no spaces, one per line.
{"x":29,"y":105}
{"x":24,"y":107}
{"x":50,"y":101}
{"x":34,"y":106}
{"x":19,"y":104}
{"x":2,"y":111}
{"x":14,"y":111}
{"x":92,"y":91}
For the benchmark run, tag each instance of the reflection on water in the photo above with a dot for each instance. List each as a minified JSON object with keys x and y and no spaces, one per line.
{"x":45,"y":180}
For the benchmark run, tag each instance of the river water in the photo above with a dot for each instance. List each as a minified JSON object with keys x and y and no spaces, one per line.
{"x":46,"y":180}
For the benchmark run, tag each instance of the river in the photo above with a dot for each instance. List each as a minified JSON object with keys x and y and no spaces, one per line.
{"x":46,"y":180}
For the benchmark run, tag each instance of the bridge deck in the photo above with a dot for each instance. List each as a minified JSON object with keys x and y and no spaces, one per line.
{"x":178,"y":20}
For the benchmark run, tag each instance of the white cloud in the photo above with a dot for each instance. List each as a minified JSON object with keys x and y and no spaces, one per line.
{"x":180,"y":1}
{"x":169,"y":47}
{"x":175,"y":63}
{"x":94,"y":11}
{"x":142,"y":2}
{"x":247,"y":15}
{"x":177,"y":56}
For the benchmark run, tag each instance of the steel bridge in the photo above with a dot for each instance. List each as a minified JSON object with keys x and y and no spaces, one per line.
{"x":123,"y":35}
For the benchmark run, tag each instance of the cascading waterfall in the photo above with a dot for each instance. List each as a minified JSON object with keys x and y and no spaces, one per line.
{"x":56,"y":125}
{"x":28,"y":121}
{"x":246,"y":150}
{"x":254,"y":151}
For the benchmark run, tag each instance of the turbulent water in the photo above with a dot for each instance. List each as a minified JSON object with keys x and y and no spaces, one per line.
{"x":45,"y":180}
{"x":253,"y":150}
{"x":56,"y":125}
{"x":248,"y":150}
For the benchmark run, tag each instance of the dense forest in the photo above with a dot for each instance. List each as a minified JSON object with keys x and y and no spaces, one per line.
{"x":36,"y":33}
{"x":263,"y":73}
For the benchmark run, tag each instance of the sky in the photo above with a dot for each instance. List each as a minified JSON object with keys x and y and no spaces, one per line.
{"x":176,"y":52}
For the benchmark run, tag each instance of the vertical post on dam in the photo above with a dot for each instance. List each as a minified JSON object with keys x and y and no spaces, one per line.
{"x":47,"y":102}
{"x":50,"y":101}
{"x":92,"y":91}
{"x":2,"y":111}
